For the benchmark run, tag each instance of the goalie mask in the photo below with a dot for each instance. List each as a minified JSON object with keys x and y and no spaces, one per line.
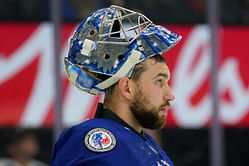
{"x":109,"y":43}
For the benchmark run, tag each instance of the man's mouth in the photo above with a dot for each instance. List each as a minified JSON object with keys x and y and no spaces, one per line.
{"x":164,"y":109}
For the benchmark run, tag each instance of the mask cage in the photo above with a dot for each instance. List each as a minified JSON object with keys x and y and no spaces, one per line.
{"x":126,"y":24}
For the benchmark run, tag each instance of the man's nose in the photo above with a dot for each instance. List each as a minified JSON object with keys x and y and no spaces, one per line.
{"x":169,"y":96}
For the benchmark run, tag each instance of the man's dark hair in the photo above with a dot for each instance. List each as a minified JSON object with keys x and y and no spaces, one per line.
{"x":137,"y":71}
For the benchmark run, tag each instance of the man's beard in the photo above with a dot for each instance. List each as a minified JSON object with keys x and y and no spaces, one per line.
{"x":145,"y":113}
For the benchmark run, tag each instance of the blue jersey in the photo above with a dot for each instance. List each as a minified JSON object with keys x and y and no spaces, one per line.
{"x":107,"y":142}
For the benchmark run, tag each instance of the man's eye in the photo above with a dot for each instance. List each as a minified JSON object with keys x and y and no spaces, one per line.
{"x":159,"y":82}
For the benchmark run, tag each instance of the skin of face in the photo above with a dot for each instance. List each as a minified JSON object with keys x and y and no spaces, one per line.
{"x":153,"y":95}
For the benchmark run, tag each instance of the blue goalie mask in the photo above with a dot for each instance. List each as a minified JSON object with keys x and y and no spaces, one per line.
{"x":109,"y":43}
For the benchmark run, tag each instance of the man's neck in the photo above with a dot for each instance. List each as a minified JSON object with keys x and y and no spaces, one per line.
{"x":125,"y":114}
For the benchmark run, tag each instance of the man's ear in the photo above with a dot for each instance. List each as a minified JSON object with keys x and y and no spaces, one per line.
{"x":126,"y":88}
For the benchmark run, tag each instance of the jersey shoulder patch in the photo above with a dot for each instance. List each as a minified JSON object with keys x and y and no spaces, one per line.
{"x":100,"y":140}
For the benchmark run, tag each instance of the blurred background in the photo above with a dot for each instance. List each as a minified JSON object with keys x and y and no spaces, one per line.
{"x":28,"y":86}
